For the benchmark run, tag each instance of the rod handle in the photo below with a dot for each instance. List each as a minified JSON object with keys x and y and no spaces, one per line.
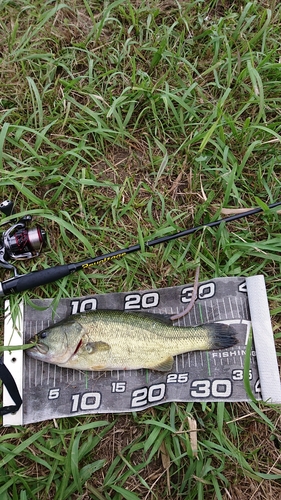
{"x":35,"y":279}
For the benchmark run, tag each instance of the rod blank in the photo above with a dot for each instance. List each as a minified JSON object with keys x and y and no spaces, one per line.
{"x":34,"y":279}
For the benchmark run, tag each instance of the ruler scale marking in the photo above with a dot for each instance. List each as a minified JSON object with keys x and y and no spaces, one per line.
{"x":214,"y":365}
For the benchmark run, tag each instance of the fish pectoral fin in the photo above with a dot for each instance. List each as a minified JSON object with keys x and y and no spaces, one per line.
{"x":92,"y":347}
{"x":164,"y":366}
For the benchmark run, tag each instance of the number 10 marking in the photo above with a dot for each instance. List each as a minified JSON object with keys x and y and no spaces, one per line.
{"x":86,"y":401}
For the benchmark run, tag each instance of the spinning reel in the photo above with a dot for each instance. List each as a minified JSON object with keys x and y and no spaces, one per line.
{"x":19,"y":242}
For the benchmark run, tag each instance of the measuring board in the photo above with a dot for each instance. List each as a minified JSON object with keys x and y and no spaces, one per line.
{"x":49,"y":391}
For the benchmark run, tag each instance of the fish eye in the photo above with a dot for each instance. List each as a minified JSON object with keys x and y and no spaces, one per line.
{"x":43,"y":335}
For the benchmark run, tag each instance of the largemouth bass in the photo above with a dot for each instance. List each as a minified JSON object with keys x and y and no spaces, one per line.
{"x":117,"y":340}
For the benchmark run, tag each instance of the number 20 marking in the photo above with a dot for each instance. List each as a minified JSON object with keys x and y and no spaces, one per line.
{"x":137,"y":301}
{"x":143,"y":396}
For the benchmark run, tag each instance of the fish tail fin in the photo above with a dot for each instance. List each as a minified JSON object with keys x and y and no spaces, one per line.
{"x":222,"y":336}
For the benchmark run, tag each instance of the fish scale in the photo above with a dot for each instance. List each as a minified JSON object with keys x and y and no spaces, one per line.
{"x":114,"y":340}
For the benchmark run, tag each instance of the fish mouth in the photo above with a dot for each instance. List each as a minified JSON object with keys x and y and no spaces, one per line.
{"x":38,"y":346}
{"x":41,"y":348}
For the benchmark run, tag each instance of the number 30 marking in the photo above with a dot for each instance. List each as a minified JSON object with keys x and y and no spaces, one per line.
{"x":218,"y":388}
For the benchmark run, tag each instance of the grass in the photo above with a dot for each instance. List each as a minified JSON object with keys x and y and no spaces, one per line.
{"x":120,"y":122}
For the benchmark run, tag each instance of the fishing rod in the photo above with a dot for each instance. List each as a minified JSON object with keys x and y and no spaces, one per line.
{"x":21,"y":242}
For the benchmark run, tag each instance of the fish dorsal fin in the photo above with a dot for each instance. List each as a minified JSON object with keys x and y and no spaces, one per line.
{"x":164,"y":366}
{"x":92,"y":347}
